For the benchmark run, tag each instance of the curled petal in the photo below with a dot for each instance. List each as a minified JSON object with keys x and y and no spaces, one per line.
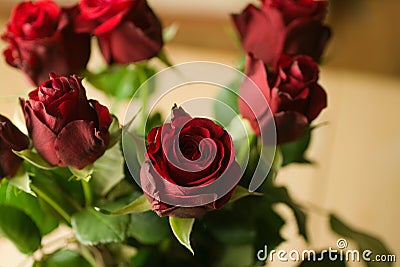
{"x":80,"y":143}
{"x":43,"y":138}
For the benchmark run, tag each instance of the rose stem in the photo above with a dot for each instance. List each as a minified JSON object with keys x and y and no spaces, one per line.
{"x":52,"y":203}
{"x":87,"y":192}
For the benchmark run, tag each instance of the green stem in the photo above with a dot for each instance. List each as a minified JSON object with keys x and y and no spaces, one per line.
{"x":87,"y":192}
{"x":92,"y":255}
{"x":164,"y":59}
{"x":52,"y":203}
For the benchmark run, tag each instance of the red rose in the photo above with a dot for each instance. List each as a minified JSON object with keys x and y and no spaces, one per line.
{"x":11,"y":138}
{"x":294,"y":9}
{"x":190,"y":166}
{"x":293,"y":93}
{"x":41,"y":40}
{"x":269,"y":31}
{"x":66,"y":129}
{"x":127,"y":30}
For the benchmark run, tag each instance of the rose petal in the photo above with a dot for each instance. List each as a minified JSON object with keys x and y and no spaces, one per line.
{"x":79,"y":144}
{"x":264,"y":44}
{"x":11,"y":136}
{"x":307,"y":37}
{"x":116,"y":45}
{"x":103,"y":114}
{"x":317,"y":102}
{"x":43,"y":138}
{"x":9,"y":163}
{"x":290,"y":126}
{"x":250,"y":105}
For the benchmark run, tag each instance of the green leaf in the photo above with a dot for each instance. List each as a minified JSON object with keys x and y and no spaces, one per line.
{"x":20,"y":229}
{"x":281,"y":195}
{"x":162,"y":56}
{"x":34,"y":158}
{"x":153,"y":121}
{"x":63,"y":195}
{"x":363,"y":240}
{"x":182,"y":227}
{"x":92,"y":227}
{"x":294,"y":152}
{"x":140,"y":204}
{"x":11,"y":196}
{"x":115,"y":131}
{"x":230,"y":229}
{"x":83,"y":174}
{"x":65,"y":258}
{"x":241,"y":192}
{"x":148,"y":228}
{"x":22,"y":181}
{"x":108,"y":171}
{"x":228,"y":98}
{"x":237,"y":256}
{"x":170,"y":32}
{"x":249,"y":222}
{"x":121,"y":81}
{"x":134,"y":146}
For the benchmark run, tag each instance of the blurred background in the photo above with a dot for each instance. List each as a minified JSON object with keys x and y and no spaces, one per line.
{"x":357,"y":153}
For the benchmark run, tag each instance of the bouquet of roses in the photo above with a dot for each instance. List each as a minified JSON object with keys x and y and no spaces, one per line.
{"x":158,"y":189}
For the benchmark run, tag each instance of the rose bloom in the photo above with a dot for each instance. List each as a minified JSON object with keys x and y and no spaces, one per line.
{"x":279,"y":27}
{"x":41,"y":40}
{"x":182,"y":158}
{"x":294,"y":96}
{"x":294,"y":9}
{"x":66,"y":129}
{"x":11,"y":138}
{"x":127,"y":30}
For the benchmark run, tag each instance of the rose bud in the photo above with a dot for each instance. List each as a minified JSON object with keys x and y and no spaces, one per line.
{"x":127,"y":30}
{"x":294,"y":9}
{"x":190,"y":166}
{"x":295,"y":98}
{"x":11,"y":138}
{"x":66,"y":129}
{"x":41,"y":40}
{"x":270,"y":31}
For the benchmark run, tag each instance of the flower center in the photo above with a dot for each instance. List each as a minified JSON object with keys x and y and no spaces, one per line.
{"x":189,"y":148}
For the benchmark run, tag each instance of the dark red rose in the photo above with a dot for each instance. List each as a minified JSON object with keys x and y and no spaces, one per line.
{"x":127,"y":30}
{"x":41,"y":40}
{"x":190,"y":166}
{"x":267,"y":32}
{"x":295,"y":98}
{"x":294,"y":9}
{"x":66,"y":129}
{"x":11,"y":138}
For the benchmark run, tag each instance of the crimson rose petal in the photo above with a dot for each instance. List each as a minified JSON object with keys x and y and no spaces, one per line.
{"x":79,"y":150}
{"x":11,"y":138}
{"x":190,"y":166}
{"x":292,"y":92}
{"x":262,"y":33}
{"x":127,"y":30}
{"x":41,"y":39}
{"x":66,"y":128}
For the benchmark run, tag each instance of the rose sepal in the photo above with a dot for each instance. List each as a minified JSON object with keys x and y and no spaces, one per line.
{"x":35,"y":159}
